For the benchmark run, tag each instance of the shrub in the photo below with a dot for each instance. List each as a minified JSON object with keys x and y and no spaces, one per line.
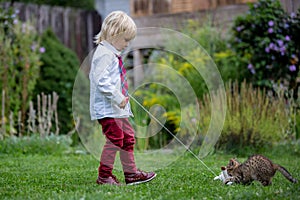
{"x":58,"y":73}
{"x":20,"y":62}
{"x":266,"y":40}
{"x":254,"y":119}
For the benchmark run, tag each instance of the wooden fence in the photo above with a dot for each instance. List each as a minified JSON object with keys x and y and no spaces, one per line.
{"x":151,"y":7}
{"x":74,"y":27}
{"x":290,"y":5}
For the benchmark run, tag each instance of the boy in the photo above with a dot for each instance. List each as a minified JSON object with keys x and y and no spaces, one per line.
{"x":109,"y":100}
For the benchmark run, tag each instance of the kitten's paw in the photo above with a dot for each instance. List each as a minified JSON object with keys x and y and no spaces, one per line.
{"x":229,"y":183}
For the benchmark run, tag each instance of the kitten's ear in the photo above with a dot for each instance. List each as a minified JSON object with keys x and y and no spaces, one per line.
{"x":231,"y":162}
{"x":236,"y":161}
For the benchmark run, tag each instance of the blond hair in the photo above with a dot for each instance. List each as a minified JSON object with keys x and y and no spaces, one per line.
{"x":115,"y":24}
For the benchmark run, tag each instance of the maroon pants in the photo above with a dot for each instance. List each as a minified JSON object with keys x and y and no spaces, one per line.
{"x":119,"y":137}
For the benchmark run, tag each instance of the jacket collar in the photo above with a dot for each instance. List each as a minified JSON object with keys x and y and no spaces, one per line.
{"x":110,"y":47}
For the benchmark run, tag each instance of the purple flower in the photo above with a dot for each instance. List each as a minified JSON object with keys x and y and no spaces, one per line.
{"x":276,"y":48}
{"x":286,"y":26}
{"x":271,"y":23}
{"x":292,"y":68}
{"x":42,"y":50}
{"x":293,"y":15}
{"x":33,"y":47}
{"x":287,"y":38}
{"x":267,"y":50}
{"x":15,"y":21}
{"x":272,"y":46}
{"x":251,"y":68}
{"x":280,"y":43}
{"x":270,"y":30}
{"x":282,"y":49}
{"x":239,"y":28}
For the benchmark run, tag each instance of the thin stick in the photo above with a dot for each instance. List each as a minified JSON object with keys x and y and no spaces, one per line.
{"x":3,"y":117}
{"x":178,"y":140}
{"x":55,"y":100}
{"x":20,"y":123}
{"x":49,"y":115}
{"x":11,"y":123}
{"x":40,"y":120}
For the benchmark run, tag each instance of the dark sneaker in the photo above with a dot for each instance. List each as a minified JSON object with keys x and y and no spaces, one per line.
{"x":111,"y":180}
{"x":139,"y":177}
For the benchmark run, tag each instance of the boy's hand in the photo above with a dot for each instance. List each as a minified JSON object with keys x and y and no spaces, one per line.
{"x":124,"y":102}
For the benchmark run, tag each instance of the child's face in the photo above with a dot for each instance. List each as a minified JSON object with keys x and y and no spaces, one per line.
{"x":121,"y":43}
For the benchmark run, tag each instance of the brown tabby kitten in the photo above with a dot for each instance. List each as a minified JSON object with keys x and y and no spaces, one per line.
{"x":257,"y":167}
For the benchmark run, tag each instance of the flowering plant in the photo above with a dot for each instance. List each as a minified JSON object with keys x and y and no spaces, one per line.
{"x":267,"y":38}
{"x":19,"y":60}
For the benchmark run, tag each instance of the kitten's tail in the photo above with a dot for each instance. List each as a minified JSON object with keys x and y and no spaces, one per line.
{"x":286,"y":174}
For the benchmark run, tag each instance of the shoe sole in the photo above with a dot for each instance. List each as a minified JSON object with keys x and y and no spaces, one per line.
{"x":139,"y":182}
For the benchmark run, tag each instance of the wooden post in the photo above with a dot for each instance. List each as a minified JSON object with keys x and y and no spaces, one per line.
{"x":11,"y":124}
{"x":138,"y":71}
{"x":39,"y":115}
{"x":30,"y":120}
{"x":20,"y":123}
{"x":55,"y":99}
{"x":150,"y":7}
{"x":3,"y":116}
{"x":49,"y":115}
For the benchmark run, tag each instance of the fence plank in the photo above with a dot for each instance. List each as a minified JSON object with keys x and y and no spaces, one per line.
{"x":75,"y":28}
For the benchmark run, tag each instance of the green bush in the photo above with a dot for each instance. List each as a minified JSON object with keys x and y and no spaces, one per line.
{"x":266,"y":40}
{"x":20,"y":54}
{"x":58,"y":73}
{"x":35,"y":145}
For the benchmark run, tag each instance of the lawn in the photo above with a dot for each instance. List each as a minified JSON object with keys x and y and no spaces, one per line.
{"x":72,"y":176}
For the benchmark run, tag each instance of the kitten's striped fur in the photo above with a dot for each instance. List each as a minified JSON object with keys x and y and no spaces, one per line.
{"x":258,"y":168}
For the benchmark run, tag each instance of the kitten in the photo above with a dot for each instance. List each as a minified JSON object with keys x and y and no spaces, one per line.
{"x":257,"y":167}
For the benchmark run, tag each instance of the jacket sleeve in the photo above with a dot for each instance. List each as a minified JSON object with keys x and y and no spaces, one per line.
{"x":104,"y":78}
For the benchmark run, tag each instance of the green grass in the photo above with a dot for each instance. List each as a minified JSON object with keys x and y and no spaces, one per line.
{"x":73,"y":176}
